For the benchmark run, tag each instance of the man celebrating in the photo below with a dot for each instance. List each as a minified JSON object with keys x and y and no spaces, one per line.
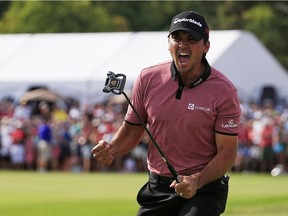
{"x":193,"y":112}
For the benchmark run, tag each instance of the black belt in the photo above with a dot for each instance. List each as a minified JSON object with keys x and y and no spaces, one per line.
{"x":161,"y":179}
{"x":169,"y":180}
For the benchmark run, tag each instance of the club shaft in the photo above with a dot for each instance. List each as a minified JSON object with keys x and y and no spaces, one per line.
{"x":164,"y":157}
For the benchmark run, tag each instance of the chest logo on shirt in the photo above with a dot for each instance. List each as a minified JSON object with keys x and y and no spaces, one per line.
{"x":192,"y":106}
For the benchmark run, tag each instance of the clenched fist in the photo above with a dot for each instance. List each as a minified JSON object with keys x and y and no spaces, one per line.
{"x":101,"y":153}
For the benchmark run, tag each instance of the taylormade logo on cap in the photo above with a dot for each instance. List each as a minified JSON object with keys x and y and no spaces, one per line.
{"x":177,"y":20}
{"x":192,"y":22}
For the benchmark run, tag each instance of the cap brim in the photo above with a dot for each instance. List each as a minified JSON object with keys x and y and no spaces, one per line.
{"x":197,"y":36}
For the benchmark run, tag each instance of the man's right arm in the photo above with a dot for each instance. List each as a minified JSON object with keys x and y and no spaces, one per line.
{"x":125,"y":139}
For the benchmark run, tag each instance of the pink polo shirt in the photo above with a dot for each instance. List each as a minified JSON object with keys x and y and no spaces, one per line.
{"x":183,"y":128}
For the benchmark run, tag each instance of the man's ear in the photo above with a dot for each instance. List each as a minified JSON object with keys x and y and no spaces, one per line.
{"x":207,"y":44}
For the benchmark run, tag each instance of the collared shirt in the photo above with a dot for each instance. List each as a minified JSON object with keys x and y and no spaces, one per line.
{"x":175,"y":73}
{"x":184,"y":127}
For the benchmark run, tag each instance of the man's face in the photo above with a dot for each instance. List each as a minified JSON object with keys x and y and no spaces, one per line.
{"x":186,"y":52}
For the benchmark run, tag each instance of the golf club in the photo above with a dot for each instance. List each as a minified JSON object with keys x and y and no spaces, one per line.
{"x":115,"y":83}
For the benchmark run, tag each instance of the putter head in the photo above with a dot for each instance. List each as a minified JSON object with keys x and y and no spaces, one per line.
{"x":114,"y":83}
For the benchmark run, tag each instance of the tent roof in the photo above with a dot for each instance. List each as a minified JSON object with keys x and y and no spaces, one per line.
{"x":247,"y":62}
{"x":57,"y":57}
{"x":77,"y":63}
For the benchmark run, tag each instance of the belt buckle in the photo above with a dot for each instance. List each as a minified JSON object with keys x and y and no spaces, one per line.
{"x":165,"y":179}
{"x":162,"y":179}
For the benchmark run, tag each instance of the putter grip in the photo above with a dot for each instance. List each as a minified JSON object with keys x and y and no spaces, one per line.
{"x":173,"y":172}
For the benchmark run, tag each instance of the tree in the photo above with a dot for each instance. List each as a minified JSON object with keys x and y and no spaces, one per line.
{"x":269,"y":22}
{"x":156,"y":15}
{"x":266,"y":20}
{"x":4,"y":5}
{"x":47,"y":17}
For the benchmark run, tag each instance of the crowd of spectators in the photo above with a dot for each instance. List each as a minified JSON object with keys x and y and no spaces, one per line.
{"x":263,"y":138}
{"x":44,"y":136}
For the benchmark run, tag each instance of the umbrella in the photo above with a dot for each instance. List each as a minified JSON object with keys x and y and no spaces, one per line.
{"x":41,"y":95}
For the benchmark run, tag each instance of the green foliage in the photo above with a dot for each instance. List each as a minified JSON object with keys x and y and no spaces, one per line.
{"x":269,"y":22}
{"x":47,"y":17}
{"x":267,"y":19}
{"x":4,"y":5}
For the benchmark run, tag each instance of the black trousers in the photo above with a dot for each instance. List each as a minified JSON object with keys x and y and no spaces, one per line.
{"x":156,"y":198}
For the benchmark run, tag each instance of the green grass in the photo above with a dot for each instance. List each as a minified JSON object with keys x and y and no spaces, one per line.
{"x":110,"y":194}
{"x":68,"y":194}
{"x":258,"y":195}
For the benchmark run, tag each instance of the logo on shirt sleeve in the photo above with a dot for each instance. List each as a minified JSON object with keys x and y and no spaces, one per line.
{"x":230,"y":124}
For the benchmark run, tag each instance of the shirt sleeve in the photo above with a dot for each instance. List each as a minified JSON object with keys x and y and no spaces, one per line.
{"x":228,"y":115}
{"x":138,"y":102}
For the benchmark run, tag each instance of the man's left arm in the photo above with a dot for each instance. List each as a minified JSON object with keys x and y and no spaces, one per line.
{"x":222,"y":162}
{"x":217,"y":167}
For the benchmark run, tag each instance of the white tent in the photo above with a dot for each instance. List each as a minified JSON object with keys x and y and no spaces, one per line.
{"x":76,"y":64}
{"x":248,"y":63}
